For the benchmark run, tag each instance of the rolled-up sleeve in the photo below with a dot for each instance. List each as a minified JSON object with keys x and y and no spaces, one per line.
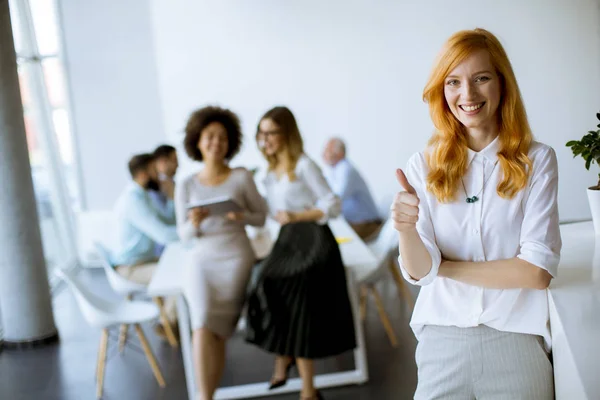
{"x":416,"y":173}
{"x":326,"y":200}
{"x":540,"y":233}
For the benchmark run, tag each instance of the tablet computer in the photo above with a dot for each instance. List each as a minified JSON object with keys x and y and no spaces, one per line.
{"x":217,"y":205}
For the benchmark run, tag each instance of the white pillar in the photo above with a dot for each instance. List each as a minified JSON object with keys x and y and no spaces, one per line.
{"x":24,"y":291}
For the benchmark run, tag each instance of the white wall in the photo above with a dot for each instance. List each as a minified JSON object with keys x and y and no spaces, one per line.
{"x":114,"y":90}
{"x":357,"y":69}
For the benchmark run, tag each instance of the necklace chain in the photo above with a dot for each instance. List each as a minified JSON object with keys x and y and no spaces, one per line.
{"x":475,"y":198}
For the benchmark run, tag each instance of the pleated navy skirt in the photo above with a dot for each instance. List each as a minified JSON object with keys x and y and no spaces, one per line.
{"x":299,"y":305}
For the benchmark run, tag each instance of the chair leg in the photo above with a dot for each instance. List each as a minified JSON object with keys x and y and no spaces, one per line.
{"x":401,"y":285}
{"x":124,"y":330}
{"x":363,"y":302}
{"x":101,"y":363}
{"x":384,"y":317}
{"x":123,"y":337}
{"x":164,"y":320}
{"x":150,"y":356}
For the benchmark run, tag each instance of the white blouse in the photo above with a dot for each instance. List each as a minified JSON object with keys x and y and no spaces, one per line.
{"x":308,"y":191}
{"x":491,"y":228}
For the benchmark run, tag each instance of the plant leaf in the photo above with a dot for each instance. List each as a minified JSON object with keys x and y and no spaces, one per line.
{"x":588,"y":147}
{"x":586,"y":156}
{"x":577,"y":149}
{"x":587,"y":163}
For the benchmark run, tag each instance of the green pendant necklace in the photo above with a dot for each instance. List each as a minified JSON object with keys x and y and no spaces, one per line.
{"x":475,"y":198}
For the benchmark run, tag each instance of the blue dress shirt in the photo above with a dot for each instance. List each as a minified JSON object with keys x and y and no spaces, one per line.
{"x":141,"y":227}
{"x":358,"y":205}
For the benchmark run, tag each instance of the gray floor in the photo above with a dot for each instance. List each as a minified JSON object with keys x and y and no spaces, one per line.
{"x":66,"y":371}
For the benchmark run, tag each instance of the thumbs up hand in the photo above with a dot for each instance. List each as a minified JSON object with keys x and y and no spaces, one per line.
{"x":405,"y":208}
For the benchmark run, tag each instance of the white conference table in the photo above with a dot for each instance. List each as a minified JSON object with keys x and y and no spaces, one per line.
{"x":574,"y":298}
{"x":359,"y":262}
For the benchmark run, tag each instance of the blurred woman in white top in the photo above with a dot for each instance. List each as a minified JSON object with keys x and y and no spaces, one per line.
{"x":299,"y":308}
{"x":478,"y":224}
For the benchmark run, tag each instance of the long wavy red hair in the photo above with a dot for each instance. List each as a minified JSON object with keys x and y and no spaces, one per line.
{"x":447,"y":156}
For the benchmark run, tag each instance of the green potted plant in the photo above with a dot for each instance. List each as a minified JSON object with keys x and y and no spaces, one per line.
{"x":589,"y":149}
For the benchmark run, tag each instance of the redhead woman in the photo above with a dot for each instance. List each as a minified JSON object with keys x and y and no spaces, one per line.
{"x":478,"y":227}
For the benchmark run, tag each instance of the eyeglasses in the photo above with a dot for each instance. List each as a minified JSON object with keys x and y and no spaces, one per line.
{"x":269,"y":133}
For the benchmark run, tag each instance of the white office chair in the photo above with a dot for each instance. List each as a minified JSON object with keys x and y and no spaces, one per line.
{"x":128,"y":289}
{"x":106,"y":315}
{"x":384,"y":247}
{"x":122,"y":286}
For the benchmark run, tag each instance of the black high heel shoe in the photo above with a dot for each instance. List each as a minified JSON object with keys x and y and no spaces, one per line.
{"x":282,"y":382}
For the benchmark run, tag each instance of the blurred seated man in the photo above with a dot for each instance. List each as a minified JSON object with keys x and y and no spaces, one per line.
{"x":165,"y":158}
{"x":358,"y":206}
{"x":141,"y":226}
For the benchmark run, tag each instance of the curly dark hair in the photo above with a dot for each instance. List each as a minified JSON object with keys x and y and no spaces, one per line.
{"x":200,"y":119}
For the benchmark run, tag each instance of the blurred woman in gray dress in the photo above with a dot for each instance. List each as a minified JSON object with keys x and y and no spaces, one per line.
{"x":219,"y":264}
